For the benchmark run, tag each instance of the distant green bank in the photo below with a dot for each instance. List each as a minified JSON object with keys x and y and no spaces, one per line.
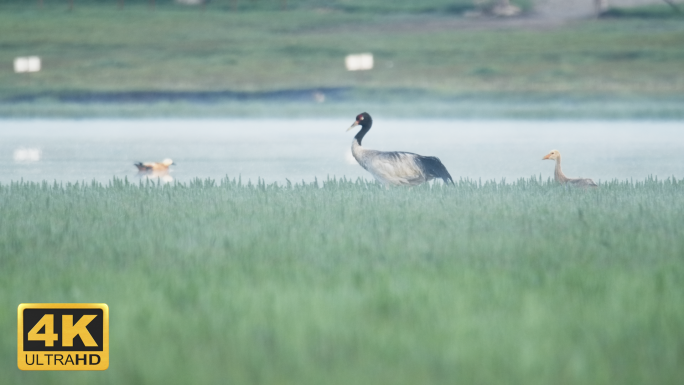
{"x":343,"y":282}
{"x":247,"y":58}
{"x":373,"y":7}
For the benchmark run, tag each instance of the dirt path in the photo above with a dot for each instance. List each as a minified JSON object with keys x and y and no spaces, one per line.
{"x":546,"y":14}
{"x":579,"y":9}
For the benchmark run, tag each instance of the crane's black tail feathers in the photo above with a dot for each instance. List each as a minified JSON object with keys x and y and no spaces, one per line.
{"x":434,"y":168}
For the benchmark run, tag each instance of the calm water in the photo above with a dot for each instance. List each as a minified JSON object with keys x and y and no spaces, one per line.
{"x":85,"y":150}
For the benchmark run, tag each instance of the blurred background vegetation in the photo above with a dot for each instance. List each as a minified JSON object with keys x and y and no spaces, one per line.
{"x":142,"y":55}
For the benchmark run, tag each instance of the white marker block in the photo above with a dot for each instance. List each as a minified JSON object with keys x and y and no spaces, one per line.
{"x":27,"y":64}
{"x":359,"y":62}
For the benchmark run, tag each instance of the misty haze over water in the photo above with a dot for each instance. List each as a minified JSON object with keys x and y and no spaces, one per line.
{"x":86,"y":150}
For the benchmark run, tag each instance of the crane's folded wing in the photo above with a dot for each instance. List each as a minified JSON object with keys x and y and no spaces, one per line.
{"x":397,"y":167}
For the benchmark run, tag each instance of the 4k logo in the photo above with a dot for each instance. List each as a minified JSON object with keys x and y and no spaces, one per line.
{"x":63,"y":336}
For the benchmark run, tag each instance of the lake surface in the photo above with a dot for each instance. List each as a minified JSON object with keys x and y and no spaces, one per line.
{"x":86,"y":150}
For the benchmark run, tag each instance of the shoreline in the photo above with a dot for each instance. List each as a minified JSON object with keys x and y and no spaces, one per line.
{"x":637,"y":108}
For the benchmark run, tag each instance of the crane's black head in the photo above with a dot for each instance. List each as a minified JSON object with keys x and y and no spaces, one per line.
{"x":364,"y":120}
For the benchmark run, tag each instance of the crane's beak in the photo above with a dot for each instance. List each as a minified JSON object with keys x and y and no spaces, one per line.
{"x":546,"y":157}
{"x":173,"y":164}
{"x":356,"y":123}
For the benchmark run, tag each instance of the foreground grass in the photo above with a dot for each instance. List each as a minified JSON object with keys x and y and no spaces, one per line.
{"x":523,"y":283}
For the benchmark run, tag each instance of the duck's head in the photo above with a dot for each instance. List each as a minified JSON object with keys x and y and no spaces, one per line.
{"x":553,"y":155}
{"x":363,"y":120}
{"x":167,"y":162}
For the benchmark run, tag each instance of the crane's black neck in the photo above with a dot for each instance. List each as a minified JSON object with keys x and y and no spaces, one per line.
{"x":365,"y":127}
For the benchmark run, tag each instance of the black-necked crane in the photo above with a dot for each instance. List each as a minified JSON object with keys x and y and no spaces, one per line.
{"x":396,"y":168}
{"x":154,"y":166}
{"x":561,"y":178}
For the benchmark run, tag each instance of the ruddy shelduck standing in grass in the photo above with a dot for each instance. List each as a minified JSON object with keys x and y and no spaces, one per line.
{"x":154,"y":166}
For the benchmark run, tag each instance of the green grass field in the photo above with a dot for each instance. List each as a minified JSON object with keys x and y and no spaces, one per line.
{"x":425,"y":56}
{"x":350,"y":283}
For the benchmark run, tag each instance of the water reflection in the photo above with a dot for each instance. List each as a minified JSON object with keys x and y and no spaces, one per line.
{"x":162,"y":176}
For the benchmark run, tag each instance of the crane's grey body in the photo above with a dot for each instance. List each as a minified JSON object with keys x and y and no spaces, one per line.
{"x":396,"y":168}
{"x":564,"y":180}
